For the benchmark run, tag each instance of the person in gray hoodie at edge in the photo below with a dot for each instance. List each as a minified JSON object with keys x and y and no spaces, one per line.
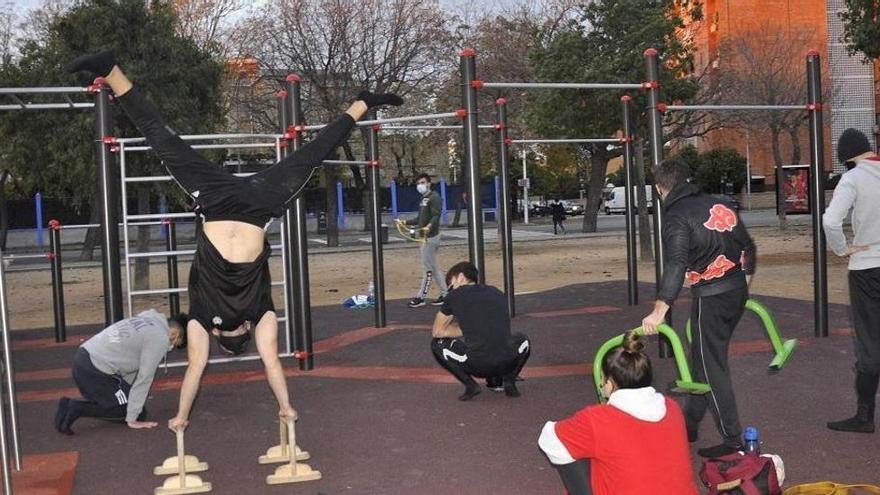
{"x":859,"y":191}
{"x":115,"y":368}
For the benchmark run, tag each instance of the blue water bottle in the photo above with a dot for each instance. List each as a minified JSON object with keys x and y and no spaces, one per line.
{"x":750,"y":441}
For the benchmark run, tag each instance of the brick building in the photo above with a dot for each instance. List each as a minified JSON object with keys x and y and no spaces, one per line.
{"x":753,"y":39}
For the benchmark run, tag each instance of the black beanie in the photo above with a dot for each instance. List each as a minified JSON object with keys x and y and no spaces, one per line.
{"x":851,"y":144}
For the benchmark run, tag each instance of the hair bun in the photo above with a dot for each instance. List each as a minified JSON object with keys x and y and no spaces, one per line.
{"x":632,"y":344}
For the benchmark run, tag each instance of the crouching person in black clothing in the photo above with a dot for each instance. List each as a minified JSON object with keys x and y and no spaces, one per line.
{"x":472,"y":334}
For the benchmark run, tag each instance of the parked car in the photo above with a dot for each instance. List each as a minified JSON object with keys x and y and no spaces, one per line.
{"x":616,"y":202}
{"x":572,"y":207}
{"x":539,"y":210}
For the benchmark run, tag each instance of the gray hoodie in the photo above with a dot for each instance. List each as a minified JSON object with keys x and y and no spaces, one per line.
{"x":133,"y":349}
{"x":859,"y":191}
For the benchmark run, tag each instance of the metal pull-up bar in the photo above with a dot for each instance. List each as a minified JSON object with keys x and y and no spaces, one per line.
{"x":524,"y":85}
{"x":68,"y":104}
{"x":568,"y":141}
{"x":714,"y":108}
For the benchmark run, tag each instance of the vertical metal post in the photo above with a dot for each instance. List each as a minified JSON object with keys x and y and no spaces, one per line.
{"x":472,"y":141}
{"x":57,"y":280}
{"x":4,"y":450}
{"x":525,"y":188}
{"x":655,"y":124}
{"x":632,"y":269}
{"x":108,"y":201}
{"x":340,"y":206}
{"x":394,"y":199}
{"x":503,"y":213}
{"x":170,"y":229}
{"x":376,"y":226}
{"x":9,"y":378}
{"x":817,"y":193}
{"x":288,"y":226}
{"x":443,"y":204}
{"x":38,"y":208}
{"x":299,"y":242}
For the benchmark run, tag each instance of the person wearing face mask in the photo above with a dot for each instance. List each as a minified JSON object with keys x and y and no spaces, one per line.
{"x":114,"y":369}
{"x":428,"y":223}
{"x":471,"y":334}
{"x":708,"y":247}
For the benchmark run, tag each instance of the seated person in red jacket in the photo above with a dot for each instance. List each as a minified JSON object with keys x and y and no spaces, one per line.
{"x":634,"y":445}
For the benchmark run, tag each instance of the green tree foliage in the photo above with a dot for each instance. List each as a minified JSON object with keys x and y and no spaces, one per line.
{"x":601,"y":44}
{"x":861,"y":27}
{"x":714,"y":168}
{"x":52,"y":151}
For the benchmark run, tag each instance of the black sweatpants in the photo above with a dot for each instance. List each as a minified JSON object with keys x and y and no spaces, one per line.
{"x":864,"y":294}
{"x":452,"y":354}
{"x":105,"y":395}
{"x":713,"y":319}
{"x":218,"y":192}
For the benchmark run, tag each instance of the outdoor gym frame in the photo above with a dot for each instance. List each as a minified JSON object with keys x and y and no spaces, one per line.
{"x":813,"y":107}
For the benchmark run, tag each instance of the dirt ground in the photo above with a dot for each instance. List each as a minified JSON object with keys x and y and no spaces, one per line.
{"x":784,"y":269}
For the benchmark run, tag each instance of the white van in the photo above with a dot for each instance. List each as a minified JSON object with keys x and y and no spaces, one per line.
{"x":616,"y":200}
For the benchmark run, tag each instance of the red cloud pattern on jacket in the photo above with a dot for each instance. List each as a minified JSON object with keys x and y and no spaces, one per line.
{"x":721,"y":219}
{"x":716,"y":269}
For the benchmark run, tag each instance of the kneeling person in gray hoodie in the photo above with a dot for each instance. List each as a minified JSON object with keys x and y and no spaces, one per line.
{"x":115,"y":368}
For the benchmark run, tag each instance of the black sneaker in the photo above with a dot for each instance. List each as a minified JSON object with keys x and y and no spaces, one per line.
{"x":61,"y":413}
{"x":470,"y":392}
{"x":495,"y":384}
{"x":439,"y":301}
{"x":416,"y":302}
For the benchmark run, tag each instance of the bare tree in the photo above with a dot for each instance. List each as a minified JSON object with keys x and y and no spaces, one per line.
{"x":341,"y":47}
{"x":765,"y":67}
{"x":209,"y":23}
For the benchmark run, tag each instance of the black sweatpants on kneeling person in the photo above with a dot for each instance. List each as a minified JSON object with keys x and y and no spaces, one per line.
{"x":713,"y":319}
{"x":454,"y":356}
{"x":106,"y":396}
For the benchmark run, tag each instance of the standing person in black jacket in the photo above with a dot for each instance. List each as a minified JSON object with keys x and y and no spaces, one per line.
{"x":558,"y":212}
{"x":708,"y":248}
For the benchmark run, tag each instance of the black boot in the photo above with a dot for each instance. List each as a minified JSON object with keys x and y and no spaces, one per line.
{"x":376,"y":100}
{"x":61,"y":414}
{"x":863,"y":421}
{"x":99,"y":64}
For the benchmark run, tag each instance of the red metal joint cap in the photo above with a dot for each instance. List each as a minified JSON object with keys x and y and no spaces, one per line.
{"x":293,"y":78}
{"x":498,"y":127}
{"x":651,"y":52}
{"x":54,"y":224}
{"x":650,"y":85}
{"x":477,"y":84}
{"x":624,"y":140}
{"x":375,"y":164}
{"x":96,"y":85}
{"x":468,"y":52}
{"x":814,"y":107}
{"x":661,"y":107}
{"x":377,"y":127}
{"x":461,"y":113}
{"x":508,"y":141}
{"x":812,"y":53}
{"x":501,"y":101}
{"x":301,"y":355}
{"x":114,"y":148}
{"x":109,"y":140}
{"x":167,"y":221}
{"x":626,"y":98}
{"x":281,"y":94}
{"x":50,"y":255}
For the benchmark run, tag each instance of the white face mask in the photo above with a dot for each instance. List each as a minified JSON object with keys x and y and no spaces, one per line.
{"x":422,"y":188}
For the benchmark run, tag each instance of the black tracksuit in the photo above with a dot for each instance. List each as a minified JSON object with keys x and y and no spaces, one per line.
{"x":706,"y":242}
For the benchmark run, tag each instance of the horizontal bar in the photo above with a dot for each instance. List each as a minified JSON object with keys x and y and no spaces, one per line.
{"x":347,"y":162}
{"x":430,"y":127}
{"x":735,"y":107}
{"x":200,"y":137}
{"x":524,"y":85}
{"x":166,"y":178}
{"x":25,"y":256}
{"x":47,"y":106}
{"x":565,"y":141}
{"x":43,"y":90}
{"x":152,"y":292}
{"x":82,"y":226}
{"x":236,"y":359}
{"x":154,"y":254}
{"x":160,"y":216}
{"x":184,"y":252}
{"x":410,"y":118}
{"x":210,"y":146}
